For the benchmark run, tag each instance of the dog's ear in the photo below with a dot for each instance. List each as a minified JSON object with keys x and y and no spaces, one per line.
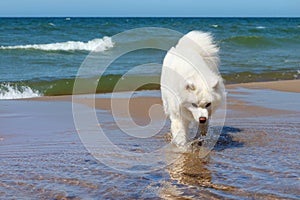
{"x":190,"y":87}
{"x":215,"y":84}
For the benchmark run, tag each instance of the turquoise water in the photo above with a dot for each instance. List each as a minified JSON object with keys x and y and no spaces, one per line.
{"x":41,"y":56}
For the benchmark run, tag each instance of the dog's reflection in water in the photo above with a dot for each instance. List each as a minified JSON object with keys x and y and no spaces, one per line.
{"x":186,"y":172}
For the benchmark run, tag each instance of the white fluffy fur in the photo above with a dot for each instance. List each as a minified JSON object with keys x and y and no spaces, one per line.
{"x":190,"y":77}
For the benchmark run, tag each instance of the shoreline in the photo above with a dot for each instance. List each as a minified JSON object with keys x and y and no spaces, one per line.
{"x":282,"y":85}
{"x":139,"y":105}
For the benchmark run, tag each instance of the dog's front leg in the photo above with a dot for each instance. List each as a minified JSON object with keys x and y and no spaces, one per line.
{"x":179,"y":129}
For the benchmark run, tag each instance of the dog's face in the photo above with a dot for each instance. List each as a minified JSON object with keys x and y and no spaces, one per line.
{"x":201,"y":99}
{"x":200,"y":111}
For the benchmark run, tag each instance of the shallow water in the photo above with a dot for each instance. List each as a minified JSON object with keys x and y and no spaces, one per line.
{"x":42,"y":157}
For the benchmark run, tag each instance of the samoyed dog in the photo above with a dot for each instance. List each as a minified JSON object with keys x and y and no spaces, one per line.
{"x":191,"y":86}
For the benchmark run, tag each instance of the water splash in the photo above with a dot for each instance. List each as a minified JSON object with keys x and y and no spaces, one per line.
{"x":98,"y":44}
{"x":9,"y":91}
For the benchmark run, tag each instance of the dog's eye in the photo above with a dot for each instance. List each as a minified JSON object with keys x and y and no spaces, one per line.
{"x":207,"y":105}
{"x":195,"y":105}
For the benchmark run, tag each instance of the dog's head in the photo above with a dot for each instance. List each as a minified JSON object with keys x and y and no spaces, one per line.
{"x":201,"y":98}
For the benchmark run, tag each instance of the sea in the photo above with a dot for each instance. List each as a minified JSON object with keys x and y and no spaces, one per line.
{"x":42,"y":56}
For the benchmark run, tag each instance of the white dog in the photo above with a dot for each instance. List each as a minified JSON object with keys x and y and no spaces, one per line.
{"x":191,"y":85}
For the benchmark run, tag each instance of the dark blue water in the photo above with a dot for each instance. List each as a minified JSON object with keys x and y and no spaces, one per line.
{"x":41,"y":53}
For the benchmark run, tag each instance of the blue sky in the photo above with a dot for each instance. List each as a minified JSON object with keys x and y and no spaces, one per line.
{"x":139,"y":8}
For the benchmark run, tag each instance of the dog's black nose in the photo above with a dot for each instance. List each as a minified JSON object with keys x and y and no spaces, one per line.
{"x":202,"y":120}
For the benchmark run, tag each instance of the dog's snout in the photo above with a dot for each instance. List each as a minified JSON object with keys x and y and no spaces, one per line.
{"x":202,"y":120}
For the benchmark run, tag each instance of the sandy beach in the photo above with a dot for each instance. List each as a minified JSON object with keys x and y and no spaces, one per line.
{"x":256,"y":156}
{"x":139,"y":106}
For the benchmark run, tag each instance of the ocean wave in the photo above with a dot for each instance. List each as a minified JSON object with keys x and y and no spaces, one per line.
{"x":98,"y":44}
{"x":248,"y":76}
{"x":254,"y":41}
{"x":56,"y":87}
{"x":107,"y":83}
{"x":10,"y":91}
{"x":214,"y":25}
{"x":251,"y":41}
{"x":51,"y":24}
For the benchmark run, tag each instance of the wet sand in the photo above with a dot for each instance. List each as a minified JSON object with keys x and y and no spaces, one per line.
{"x":256,"y":156}
{"x":285,"y":86}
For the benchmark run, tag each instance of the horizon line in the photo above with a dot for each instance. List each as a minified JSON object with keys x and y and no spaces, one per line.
{"x":70,"y":16}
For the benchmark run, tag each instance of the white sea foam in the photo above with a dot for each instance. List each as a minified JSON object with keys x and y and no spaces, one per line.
{"x":99,"y":44}
{"x":260,"y":27}
{"x":8,"y":91}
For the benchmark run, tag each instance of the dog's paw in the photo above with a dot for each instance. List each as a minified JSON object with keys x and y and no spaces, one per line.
{"x":203,"y":133}
{"x":196,"y":144}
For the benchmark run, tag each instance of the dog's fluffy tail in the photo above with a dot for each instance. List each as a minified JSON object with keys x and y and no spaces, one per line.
{"x":203,"y":44}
